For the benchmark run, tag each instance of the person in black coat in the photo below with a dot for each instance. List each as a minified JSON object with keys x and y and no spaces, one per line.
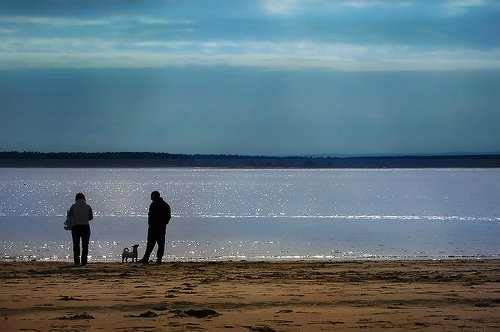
{"x":158,"y":218}
{"x":82,"y":214}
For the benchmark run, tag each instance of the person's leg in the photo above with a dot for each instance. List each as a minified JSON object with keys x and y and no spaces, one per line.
{"x":85,"y":243}
{"x":161,"y":245}
{"x":75,"y":234}
{"x":149,"y":246}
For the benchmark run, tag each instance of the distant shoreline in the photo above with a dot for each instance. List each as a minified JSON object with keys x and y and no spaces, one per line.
{"x":154,"y":160}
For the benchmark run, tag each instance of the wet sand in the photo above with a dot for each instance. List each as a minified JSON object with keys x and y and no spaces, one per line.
{"x":449,"y":295}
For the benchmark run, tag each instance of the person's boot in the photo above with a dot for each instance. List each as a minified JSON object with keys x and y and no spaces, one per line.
{"x":143,"y":261}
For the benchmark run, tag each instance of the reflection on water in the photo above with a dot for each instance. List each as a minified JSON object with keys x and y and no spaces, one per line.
{"x":259,"y":239}
{"x":258,"y":214}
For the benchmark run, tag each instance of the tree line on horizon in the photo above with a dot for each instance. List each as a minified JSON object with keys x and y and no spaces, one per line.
{"x":122,"y":155}
{"x":166,"y":155}
{"x":160,"y":159}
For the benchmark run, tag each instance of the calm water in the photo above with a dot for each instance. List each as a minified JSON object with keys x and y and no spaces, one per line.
{"x":258,"y":214}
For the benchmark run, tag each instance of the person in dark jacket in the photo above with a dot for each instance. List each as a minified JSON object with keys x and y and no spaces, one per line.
{"x":82,"y":212}
{"x":158,"y":218}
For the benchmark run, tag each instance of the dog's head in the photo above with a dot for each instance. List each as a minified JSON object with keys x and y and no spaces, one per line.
{"x":135,"y":246}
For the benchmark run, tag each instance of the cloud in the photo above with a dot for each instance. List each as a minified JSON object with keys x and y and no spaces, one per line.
{"x":466,"y":3}
{"x":75,"y":22}
{"x":365,"y":4}
{"x":300,"y":55}
{"x":295,"y":7}
{"x":312,"y":41}
{"x":52,"y":21}
{"x":7,"y":31}
{"x":459,"y":7}
{"x":286,"y":7}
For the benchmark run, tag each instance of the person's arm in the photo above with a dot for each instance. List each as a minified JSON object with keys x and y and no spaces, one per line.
{"x":91,"y":214}
{"x":168,"y":213}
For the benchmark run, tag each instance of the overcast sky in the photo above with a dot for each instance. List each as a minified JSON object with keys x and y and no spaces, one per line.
{"x":258,"y":77}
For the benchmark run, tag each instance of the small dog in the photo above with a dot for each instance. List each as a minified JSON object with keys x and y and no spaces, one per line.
{"x":126,"y":254}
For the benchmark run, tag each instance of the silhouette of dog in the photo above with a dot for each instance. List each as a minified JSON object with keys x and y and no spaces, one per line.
{"x":126,"y":254}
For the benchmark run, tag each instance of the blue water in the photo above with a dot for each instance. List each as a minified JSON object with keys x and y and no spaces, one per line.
{"x":258,"y":214}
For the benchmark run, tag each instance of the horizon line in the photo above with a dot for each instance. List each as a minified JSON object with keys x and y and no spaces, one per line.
{"x":317,"y":156}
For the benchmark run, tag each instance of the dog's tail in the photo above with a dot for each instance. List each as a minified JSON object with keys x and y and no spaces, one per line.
{"x":126,"y":249}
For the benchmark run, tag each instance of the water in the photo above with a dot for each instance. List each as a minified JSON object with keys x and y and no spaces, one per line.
{"x":258,"y":214}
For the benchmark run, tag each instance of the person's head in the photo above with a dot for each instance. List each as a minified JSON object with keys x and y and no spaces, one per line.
{"x":155,"y":195}
{"x":79,"y":196}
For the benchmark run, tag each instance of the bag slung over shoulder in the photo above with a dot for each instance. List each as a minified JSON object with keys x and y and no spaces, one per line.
{"x":70,"y":221}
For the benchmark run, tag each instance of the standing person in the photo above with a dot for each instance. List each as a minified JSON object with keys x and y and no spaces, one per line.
{"x":82,"y":213}
{"x":158,"y":218}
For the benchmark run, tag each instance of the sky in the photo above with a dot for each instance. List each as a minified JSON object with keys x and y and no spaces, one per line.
{"x":250,"y":77}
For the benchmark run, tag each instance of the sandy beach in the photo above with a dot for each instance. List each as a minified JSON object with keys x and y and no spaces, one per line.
{"x":450,"y":295}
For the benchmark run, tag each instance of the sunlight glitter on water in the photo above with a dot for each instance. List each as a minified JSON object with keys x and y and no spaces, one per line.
{"x":258,"y":214}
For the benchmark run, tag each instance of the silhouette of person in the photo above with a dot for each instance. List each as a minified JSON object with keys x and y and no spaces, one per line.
{"x":158,"y":218}
{"x":82,"y":213}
